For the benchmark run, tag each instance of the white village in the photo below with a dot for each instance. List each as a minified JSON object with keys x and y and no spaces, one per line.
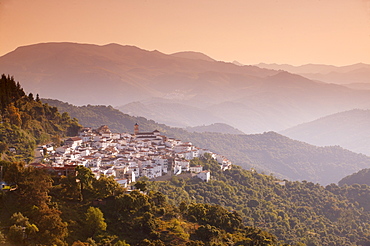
{"x":127,"y":156}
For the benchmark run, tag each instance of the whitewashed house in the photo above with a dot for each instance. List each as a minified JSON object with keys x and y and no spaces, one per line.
{"x":204,"y":175}
{"x":185,"y":164}
{"x":73,"y":142}
{"x":196,"y":169}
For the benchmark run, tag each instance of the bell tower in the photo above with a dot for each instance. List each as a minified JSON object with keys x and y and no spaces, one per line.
{"x":136,"y":129}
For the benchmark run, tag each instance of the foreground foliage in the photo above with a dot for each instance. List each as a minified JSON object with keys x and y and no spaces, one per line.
{"x":293,"y":211}
{"x":237,"y":207}
{"x":49,"y":210}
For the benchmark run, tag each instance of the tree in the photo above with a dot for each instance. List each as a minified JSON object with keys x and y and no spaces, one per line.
{"x":70,"y":189}
{"x":33,"y":188}
{"x":21,"y":228}
{"x":3,"y":147}
{"x":253,"y":203}
{"x":30,"y":97}
{"x":121,"y":243}
{"x":53,"y":230}
{"x":141,"y":185}
{"x":257,"y":237}
{"x":12,"y":171}
{"x":84,"y":177}
{"x":14,"y":115}
{"x":105,"y":186}
{"x":207,"y":232}
{"x":158,"y":198}
{"x":95,"y":222}
{"x":79,"y":243}
{"x":2,"y":238}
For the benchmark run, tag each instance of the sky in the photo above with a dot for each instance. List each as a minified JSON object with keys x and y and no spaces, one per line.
{"x":296,"y":32}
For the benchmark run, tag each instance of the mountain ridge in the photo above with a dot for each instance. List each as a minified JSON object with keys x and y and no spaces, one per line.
{"x":193,"y":55}
{"x":248,"y":98}
{"x":358,"y":73}
{"x":348,"y":129}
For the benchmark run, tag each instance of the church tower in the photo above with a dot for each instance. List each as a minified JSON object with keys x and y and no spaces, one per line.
{"x":136,"y":129}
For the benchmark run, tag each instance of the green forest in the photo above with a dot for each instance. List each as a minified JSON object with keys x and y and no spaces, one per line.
{"x":296,"y":212}
{"x":46,"y":209}
{"x":237,"y":207}
{"x":360,"y":177}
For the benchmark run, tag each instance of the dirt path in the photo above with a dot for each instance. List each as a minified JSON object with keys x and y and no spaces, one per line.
{"x":37,"y":156}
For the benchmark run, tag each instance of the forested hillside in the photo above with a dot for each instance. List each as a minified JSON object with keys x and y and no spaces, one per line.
{"x":26,"y":121}
{"x":293,"y":211}
{"x":237,"y":207}
{"x":46,"y":209}
{"x":96,"y":115}
{"x":269,"y":152}
{"x":360,"y":177}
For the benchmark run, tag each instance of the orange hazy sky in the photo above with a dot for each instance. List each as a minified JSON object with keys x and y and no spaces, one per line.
{"x":250,"y":31}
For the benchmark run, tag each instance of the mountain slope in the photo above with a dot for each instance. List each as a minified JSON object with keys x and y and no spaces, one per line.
{"x":119,"y":74}
{"x":217,"y":127}
{"x":26,"y":121}
{"x":361,"y":177}
{"x":349,"y":129}
{"x":116,"y":75}
{"x":286,"y":158}
{"x":293,"y":211}
{"x":269,"y":152}
{"x":170,"y":112}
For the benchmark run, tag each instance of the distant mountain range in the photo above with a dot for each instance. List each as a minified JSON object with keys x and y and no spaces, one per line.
{"x":183,"y":89}
{"x":355,"y":76}
{"x":350,"y":130}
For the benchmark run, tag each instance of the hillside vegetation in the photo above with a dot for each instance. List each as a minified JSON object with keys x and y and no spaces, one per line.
{"x":26,"y":121}
{"x":269,"y":152}
{"x":360,"y":177}
{"x":237,"y":207}
{"x":48,"y":209}
{"x":293,"y":211}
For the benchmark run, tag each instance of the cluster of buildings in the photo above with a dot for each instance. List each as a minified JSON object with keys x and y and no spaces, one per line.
{"x":128,"y":156}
